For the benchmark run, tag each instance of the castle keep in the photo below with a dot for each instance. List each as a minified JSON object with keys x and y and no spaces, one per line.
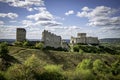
{"x":81,"y":38}
{"x":20,"y":34}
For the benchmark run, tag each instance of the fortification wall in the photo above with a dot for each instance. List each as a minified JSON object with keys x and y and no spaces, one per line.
{"x":81,"y":38}
{"x":51,"y":39}
{"x":92,"y":40}
{"x":20,"y":34}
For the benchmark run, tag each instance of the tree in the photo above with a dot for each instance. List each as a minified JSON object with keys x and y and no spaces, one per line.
{"x":3,"y":49}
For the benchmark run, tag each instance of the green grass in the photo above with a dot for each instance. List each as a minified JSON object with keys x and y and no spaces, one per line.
{"x":69,"y":60}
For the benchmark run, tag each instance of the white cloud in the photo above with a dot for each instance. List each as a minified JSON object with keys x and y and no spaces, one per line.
{"x":86,"y":9}
{"x":69,"y":12}
{"x":24,"y":3}
{"x":9,"y":15}
{"x":101,"y":16}
{"x":26,"y":22}
{"x":42,"y":15}
{"x":1,"y":23}
{"x":43,"y":18}
{"x":30,"y":9}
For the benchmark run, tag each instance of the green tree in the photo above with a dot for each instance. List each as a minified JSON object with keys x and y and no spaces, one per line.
{"x":3,"y":49}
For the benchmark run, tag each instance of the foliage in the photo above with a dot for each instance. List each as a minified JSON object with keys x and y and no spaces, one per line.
{"x":95,"y":49}
{"x":39,"y":45}
{"x":83,"y":75}
{"x":26,"y":43}
{"x":24,"y":71}
{"x":116,"y":68}
{"x":17,"y":43}
{"x":3,"y":49}
{"x":76,"y":48}
{"x":2,"y":76}
{"x":100,"y":67}
{"x":75,"y":66}
{"x":56,"y":49}
{"x":52,"y":72}
{"x":85,"y":64}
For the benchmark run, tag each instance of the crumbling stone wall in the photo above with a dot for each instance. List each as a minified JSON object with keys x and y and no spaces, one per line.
{"x":50,"y":39}
{"x":81,"y":38}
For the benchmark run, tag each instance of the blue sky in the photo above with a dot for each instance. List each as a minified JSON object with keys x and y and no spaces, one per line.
{"x":98,"y":18}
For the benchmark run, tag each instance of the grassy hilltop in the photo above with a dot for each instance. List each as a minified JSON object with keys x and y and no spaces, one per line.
{"x":24,"y":63}
{"x":69,"y":60}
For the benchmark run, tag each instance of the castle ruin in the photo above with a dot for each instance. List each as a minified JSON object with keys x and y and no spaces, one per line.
{"x":82,"y":39}
{"x":20,"y":34}
{"x":51,"y":39}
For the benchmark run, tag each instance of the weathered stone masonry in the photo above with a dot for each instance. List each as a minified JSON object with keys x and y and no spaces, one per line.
{"x":51,"y":39}
{"x":20,"y":34}
{"x":81,"y":38}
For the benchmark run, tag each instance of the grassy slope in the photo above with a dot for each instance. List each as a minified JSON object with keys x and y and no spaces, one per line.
{"x":69,"y":60}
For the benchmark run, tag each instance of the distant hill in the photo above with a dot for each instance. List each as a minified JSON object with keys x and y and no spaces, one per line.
{"x":110,"y":40}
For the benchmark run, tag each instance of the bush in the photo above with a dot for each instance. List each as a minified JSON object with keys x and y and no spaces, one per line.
{"x":76,"y":48}
{"x":100,"y":67}
{"x":39,"y":45}
{"x":83,"y":75}
{"x":85,"y":64}
{"x":17,"y":43}
{"x":26,"y":43}
{"x":52,"y":72}
{"x":26,"y":71}
{"x":116,"y":68}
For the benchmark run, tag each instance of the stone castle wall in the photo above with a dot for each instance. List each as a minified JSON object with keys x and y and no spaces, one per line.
{"x":51,"y":39}
{"x":20,"y":34}
{"x":81,"y":38}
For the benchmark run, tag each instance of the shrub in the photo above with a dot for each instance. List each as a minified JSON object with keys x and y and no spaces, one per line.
{"x":39,"y":45}
{"x":26,"y":43}
{"x":26,"y":71}
{"x":100,"y":67}
{"x":52,"y":72}
{"x":85,"y":64}
{"x":116,"y":68}
{"x":17,"y":43}
{"x":81,"y":51}
{"x":76,"y":48}
{"x":83,"y":75}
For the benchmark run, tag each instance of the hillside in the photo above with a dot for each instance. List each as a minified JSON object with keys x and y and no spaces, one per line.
{"x":69,"y":60}
{"x":26,"y":63}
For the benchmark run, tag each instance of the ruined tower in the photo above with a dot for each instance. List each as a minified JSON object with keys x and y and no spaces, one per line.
{"x":20,"y":34}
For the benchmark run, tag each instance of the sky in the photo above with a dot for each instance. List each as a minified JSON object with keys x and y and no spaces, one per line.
{"x":66,"y":18}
